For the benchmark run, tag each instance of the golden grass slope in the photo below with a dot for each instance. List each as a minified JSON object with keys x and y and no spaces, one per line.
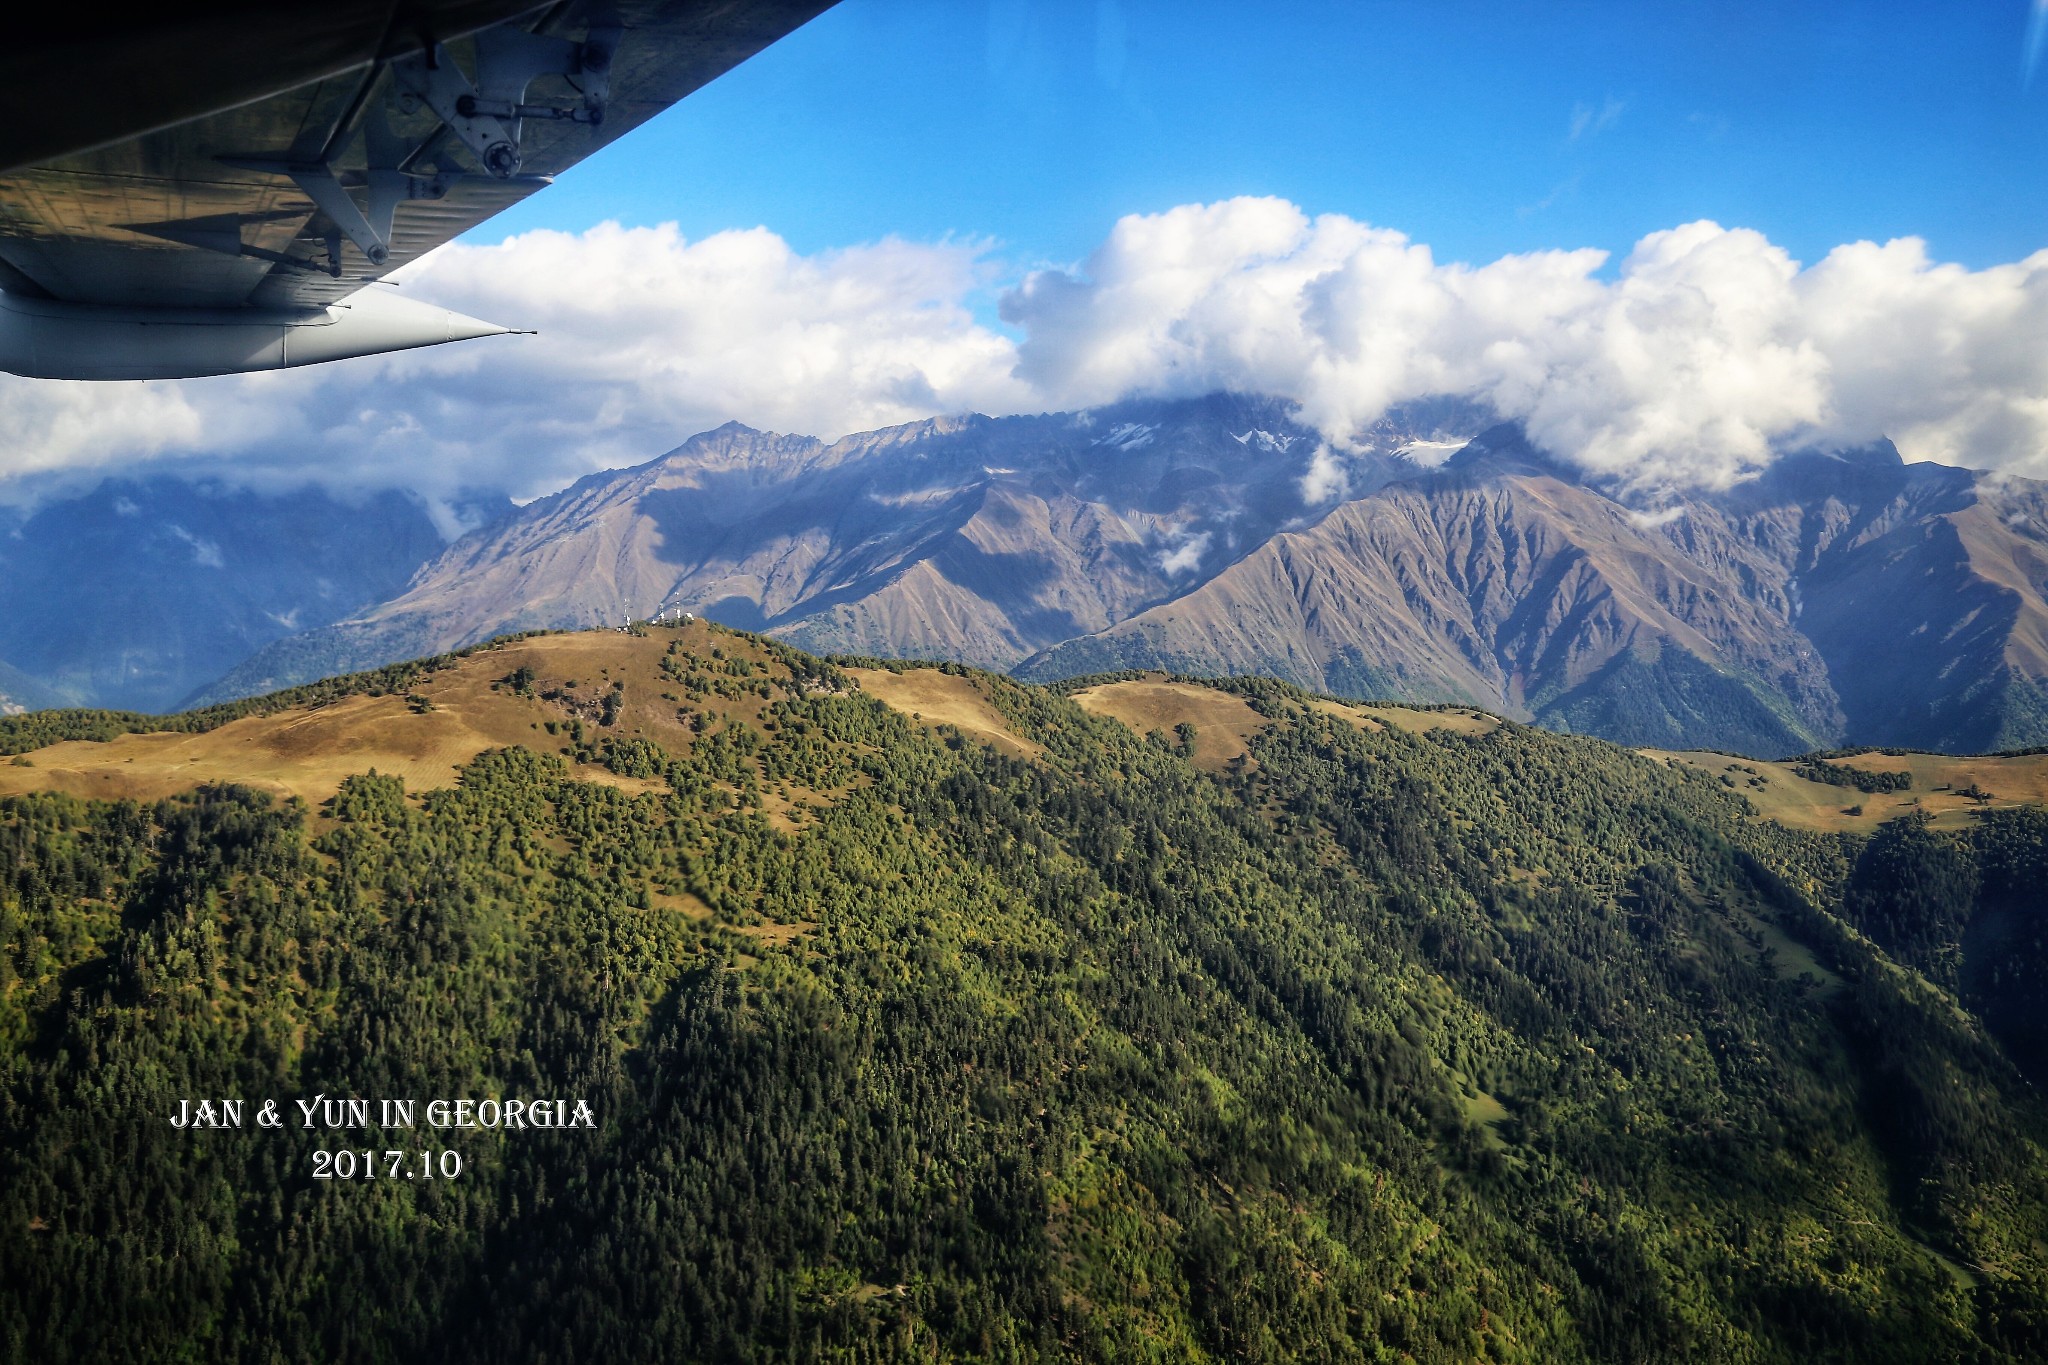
{"x":1224,"y":723}
{"x":937,"y":698}
{"x":1777,"y":793}
{"x":1462,"y":720}
{"x":307,"y":751}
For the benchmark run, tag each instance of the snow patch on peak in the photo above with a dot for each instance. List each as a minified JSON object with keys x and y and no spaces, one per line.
{"x":1260,"y":438}
{"x":1127,"y":436}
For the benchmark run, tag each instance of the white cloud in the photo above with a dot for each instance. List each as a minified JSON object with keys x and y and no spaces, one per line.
{"x":1710,"y":348}
{"x":1951,"y":363}
{"x":1705,"y":351}
{"x":1429,"y":454}
{"x":645,"y":338}
{"x":1186,"y":556}
{"x":54,"y":427}
{"x":205,"y":553}
{"x":1326,"y":479}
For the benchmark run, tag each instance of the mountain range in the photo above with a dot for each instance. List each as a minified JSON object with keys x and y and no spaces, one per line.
{"x":982,"y":540}
{"x":1839,"y":597}
{"x":138,"y":591}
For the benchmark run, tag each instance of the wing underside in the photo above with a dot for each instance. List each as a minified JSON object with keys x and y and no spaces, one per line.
{"x":293,"y":202}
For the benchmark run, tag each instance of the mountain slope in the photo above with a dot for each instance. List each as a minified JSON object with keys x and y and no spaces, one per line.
{"x":1837,"y":598}
{"x":1499,"y":581}
{"x":19,"y":693}
{"x":1920,"y":586}
{"x":1301,"y":1033}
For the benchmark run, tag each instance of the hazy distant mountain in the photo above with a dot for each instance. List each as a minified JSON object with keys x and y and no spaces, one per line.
{"x":19,"y":692}
{"x":1839,"y":597}
{"x":1920,"y":587}
{"x":135,"y":593}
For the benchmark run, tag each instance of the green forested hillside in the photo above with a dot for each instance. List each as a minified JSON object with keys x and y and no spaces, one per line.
{"x":1367,"y":1045}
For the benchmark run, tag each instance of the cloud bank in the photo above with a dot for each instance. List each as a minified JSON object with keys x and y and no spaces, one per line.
{"x":1709,"y":348}
{"x":1703,"y":352}
{"x":645,"y":338}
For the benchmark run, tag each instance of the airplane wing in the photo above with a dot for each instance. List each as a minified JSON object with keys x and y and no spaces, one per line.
{"x":244,"y":238}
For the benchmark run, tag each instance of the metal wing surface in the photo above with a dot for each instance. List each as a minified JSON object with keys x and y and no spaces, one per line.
{"x":281,"y":208}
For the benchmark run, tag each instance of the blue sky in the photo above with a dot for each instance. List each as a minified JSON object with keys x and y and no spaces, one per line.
{"x":1478,"y":128}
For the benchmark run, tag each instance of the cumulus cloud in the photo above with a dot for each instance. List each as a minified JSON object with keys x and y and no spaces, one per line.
{"x":644,"y":338}
{"x":53,"y":427}
{"x":1703,"y":352}
{"x":1186,"y":556}
{"x":1709,"y":349}
{"x":1326,"y":479}
{"x":660,"y":333}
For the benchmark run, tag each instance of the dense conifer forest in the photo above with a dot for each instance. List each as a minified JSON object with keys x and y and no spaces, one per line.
{"x":1367,"y":1044}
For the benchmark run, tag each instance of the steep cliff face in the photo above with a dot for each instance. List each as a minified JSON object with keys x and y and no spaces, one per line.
{"x":1919,"y":587}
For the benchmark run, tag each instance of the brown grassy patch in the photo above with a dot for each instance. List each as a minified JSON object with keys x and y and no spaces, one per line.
{"x":307,"y":752}
{"x":604,"y":777}
{"x":1346,"y":711}
{"x":937,"y":698}
{"x":684,"y":903}
{"x":1462,"y":720}
{"x":777,"y":933}
{"x":1224,"y":722}
{"x":1784,"y":796}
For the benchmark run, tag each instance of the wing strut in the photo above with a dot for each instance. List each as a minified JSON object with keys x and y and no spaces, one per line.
{"x":486,"y":115}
